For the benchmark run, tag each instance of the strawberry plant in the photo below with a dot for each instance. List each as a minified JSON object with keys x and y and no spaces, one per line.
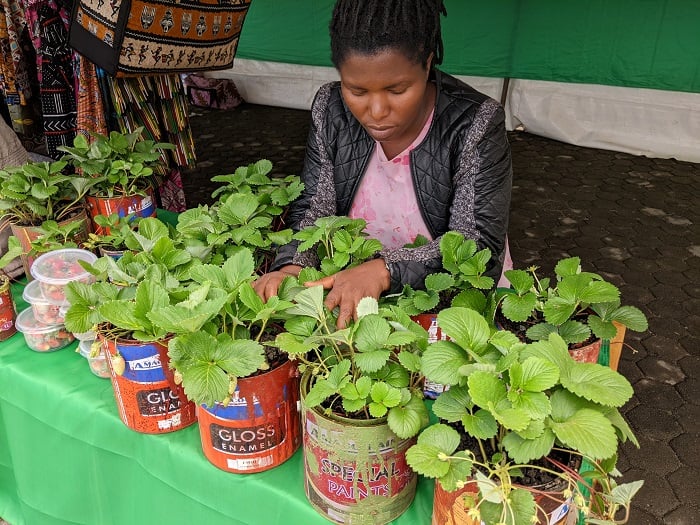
{"x":40,"y":191}
{"x":119,"y":164}
{"x":221,"y":329}
{"x":248,"y":213}
{"x":519,"y":403}
{"x":369,"y":370}
{"x":337,"y":243}
{"x":462,"y":283}
{"x":120,"y":230}
{"x":576,"y":305}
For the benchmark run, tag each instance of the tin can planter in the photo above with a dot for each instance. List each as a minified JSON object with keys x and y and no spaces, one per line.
{"x":140,"y":205}
{"x":451,"y":508}
{"x":355,"y":471}
{"x":27,"y":234}
{"x":147,"y":401}
{"x":7,"y":310}
{"x":588,"y":353}
{"x":260,"y":428}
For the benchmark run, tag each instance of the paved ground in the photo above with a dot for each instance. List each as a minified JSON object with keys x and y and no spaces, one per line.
{"x":635,"y":220}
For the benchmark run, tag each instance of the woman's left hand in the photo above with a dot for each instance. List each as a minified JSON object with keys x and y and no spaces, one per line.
{"x":348,"y":287}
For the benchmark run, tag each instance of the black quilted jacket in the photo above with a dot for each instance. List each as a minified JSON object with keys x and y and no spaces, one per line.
{"x":461,"y":172}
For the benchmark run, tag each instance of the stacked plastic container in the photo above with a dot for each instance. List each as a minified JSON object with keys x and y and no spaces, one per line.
{"x":42,"y":323}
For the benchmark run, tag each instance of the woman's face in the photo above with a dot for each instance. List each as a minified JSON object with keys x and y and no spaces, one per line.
{"x":389,"y":95}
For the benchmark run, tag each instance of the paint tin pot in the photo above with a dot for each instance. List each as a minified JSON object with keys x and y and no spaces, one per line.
{"x":260,"y":428}
{"x":355,"y":471}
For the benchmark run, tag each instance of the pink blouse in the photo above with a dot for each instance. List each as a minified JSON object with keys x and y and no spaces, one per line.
{"x":386,"y":198}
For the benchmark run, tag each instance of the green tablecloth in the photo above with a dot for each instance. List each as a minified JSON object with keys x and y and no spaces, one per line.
{"x":66,"y":458}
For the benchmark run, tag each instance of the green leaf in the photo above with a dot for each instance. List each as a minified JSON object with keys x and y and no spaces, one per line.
{"x":250,"y":298}
{"x":426,"y":301}
{"x":452,"y":405}
{"x":400,"y":338}
{"x":372,"y":361}
{"x":540,"y":331}
{"x":600,"y":292}
{"x":557,"y":310}
{"x":393,"y":374}
{"x":121,"y":314}
{"x":239,"y":267}
{"x":353,"y":405}
{"x":441,"y":362}
{"x":535,"y":404}
{"x":239,"y":357}
{"x":367,"y":306}
{"x":534,"y":374}
{"x":518,"y":308}
{"x":309,"y":302}
{"x":481,"y":424}
{"x":567,"y":267}
{"x":291,"y":344}
{"x":576,"y":332}
{"x":631,"y":317}
{"x":338,"y":376}
{"x":597,"y":383}
{"x":407,"y":420}
{"x":372,"y":333}
{"x":520,"y":280}
{"x":410,"y":361}
{"x":486,"y":389}
{"x":623,"y":493}
{"x":318,"y":393}
{"x":439,"y":282}
{"x":385,"y":394}
{"x":588,"y":432}
{"x":425,"y":459}
{"x":470,"y":298}
{"x":465,"y":327}
{"x":443,"y":437}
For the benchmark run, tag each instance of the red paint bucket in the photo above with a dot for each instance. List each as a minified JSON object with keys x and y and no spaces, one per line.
{"x":146,"y":400}
{"x":259,"y":429}
{"x":139,"y":205}
{"x":7,"y":310}
{"x":355,"y":471}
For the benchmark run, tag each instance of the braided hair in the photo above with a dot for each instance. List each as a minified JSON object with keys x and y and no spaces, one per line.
{"x":369,"y":27}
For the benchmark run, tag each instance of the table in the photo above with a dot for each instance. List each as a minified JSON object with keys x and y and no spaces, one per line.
{"x":66,"y":458}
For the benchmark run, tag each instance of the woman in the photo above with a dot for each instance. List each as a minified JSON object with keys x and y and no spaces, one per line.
{"x":408,"y":148}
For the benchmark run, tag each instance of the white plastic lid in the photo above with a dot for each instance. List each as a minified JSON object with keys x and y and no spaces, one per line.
{"x":61,"y":266}
{"x":85,"y":348}
{"x":27,"y":324}
{"x":32,"y":293}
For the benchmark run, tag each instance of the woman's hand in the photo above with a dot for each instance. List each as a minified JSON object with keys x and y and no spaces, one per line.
{"x":348,"y":287}
{"x":266,"y":285}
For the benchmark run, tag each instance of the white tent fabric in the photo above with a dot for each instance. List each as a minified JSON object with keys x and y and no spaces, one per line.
{"x":639,"y":121}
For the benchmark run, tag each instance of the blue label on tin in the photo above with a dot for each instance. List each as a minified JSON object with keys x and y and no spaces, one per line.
{"x":237,"y":409}
{"x":142,"y":363}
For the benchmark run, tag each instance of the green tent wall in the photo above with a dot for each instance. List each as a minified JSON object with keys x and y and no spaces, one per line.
{"x":635,"y":43}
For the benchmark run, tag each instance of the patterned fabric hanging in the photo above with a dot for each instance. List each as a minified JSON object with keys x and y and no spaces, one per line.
{"x":14,"y":75}
{"x":91,"y":109}
{"x":57,"y":82}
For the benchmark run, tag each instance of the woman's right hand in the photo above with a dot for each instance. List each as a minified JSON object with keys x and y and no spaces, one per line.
{"x":266,"y":285}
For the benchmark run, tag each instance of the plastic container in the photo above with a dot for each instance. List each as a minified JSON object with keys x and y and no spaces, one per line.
{"x":96,"y":358}
{"x":42,"y":337}
{"x":54,"y":270}
{"x":84,"y":348}
{"x":44,"y":311}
